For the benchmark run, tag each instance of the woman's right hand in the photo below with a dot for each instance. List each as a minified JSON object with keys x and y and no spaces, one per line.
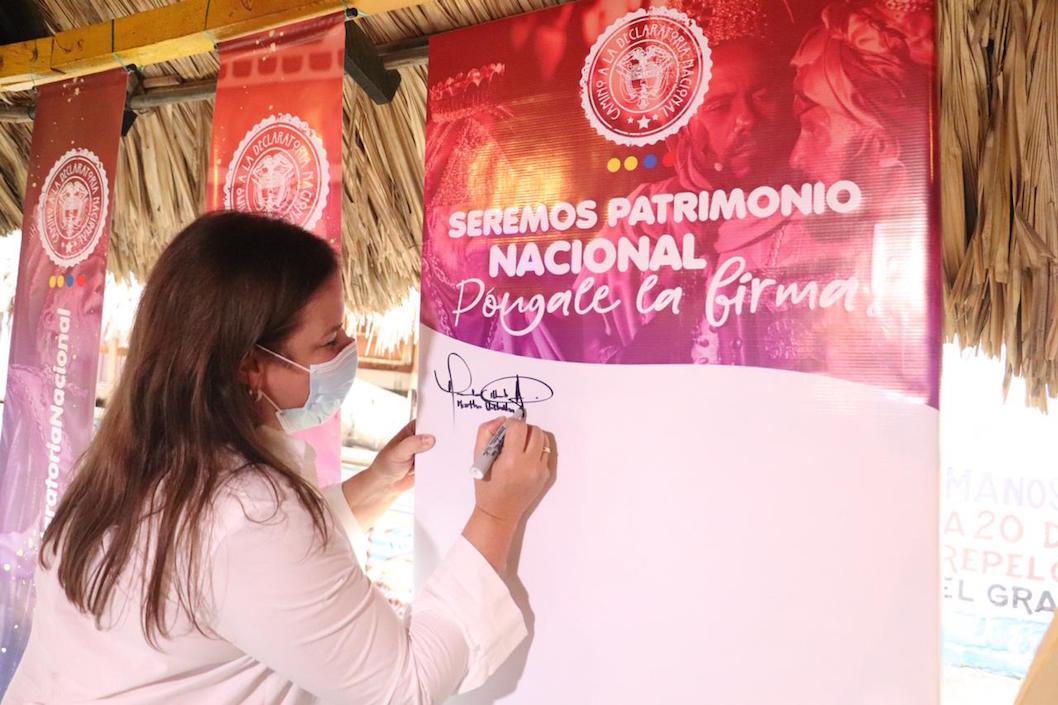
{"x":518,"y":475}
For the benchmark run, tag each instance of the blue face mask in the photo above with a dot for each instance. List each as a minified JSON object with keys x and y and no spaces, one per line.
{"x":329,"y":383}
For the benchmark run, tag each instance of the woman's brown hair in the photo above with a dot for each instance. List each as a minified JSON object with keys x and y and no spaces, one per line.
{"x":179,"y":414}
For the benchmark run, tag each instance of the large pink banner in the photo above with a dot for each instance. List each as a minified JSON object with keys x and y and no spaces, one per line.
{"x":51,"y":379}
{"x":692,"y":182}
{"x":696,"y":239}
{"x":277,"y":146}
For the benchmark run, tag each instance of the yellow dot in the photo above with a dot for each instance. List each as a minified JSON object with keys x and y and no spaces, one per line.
{"x":631,"y":163}
{"x":51,"y":282}
{"x":60,"y":281}
{"x":614,"y":165}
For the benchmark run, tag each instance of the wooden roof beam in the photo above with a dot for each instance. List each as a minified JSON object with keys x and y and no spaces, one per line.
{"x":172,"y":32}
{"x":163,"y":90}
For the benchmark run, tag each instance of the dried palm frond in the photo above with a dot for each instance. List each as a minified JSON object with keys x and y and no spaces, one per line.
{"x":999,"y":180}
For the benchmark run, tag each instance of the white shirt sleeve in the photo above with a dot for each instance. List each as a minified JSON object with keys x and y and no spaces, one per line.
{"x":343,"y":515}
{"x":307,"y":611}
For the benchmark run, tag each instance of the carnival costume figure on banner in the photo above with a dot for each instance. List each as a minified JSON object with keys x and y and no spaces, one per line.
{"x":466,"y":162}
{"x":463,"y":156}
{"x":858,"y":77}
{"x":738,"y":138}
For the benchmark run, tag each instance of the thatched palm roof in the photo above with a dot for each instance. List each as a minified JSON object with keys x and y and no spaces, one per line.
{"x":999,"y":167}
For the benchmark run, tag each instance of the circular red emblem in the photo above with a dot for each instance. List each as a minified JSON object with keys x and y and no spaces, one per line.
{"x":645,"y":77}
{"x":72,"y":210}
{"x":280,"y":170}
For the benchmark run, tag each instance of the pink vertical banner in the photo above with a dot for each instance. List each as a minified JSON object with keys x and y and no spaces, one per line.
{"x":51,"y":380}
{"x":277,"y":146}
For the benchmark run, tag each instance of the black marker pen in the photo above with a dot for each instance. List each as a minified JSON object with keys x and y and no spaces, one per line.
{"x":484,"y":461}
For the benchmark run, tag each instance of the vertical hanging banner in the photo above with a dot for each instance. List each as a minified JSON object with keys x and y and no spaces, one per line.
{"x":277,"y":146}
{"x":51,"y":380}
{"x":697,"y":240}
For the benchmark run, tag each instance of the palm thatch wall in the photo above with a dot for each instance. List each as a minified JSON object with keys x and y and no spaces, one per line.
{"x":999,"y":180}
{"x":998,"y":66}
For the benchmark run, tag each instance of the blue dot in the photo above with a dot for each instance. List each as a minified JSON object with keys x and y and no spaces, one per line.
{"x":69,"y":280}
{"x":650,"y":161}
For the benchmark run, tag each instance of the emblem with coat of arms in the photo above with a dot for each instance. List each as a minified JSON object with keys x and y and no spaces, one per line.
{"x":72,"y":210}
{"x":646,"y":76}
{"x":279,"y":170}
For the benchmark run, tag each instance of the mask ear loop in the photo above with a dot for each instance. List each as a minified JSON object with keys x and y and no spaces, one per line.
{"x":284,"y":359}
{"x":262,"y":395}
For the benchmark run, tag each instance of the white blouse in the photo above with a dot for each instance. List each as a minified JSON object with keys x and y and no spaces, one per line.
{"x":290,"y":622}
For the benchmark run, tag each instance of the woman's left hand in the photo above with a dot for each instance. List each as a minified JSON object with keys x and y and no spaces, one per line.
{"x":394,"y":466}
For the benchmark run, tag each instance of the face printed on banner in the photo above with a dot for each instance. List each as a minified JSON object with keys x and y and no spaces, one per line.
{"x":858,"y":86}
{"x":746,"y":117}
{"x":828,"y":143}
{"x":744,"y":130}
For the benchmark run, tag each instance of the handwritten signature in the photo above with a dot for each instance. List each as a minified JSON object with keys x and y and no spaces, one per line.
{"x":505,"y":394}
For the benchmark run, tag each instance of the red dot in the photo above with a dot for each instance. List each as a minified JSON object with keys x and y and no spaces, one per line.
{"x":81,"y":280}
{"x":668,"y":159}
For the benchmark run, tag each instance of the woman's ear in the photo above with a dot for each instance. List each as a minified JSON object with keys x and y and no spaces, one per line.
{"x":251,"y":370}
{"x":883,"y":150}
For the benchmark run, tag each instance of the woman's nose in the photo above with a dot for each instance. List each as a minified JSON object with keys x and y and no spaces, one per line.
{"x":345,"y":340}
